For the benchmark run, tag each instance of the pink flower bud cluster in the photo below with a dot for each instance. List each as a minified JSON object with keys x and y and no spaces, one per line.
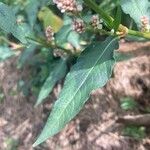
{"x":145,"y":24}
{"x":49,"y":33}
{"x":96,"y":22}
{"x":68,"y":5}
{"x":79,"y":26}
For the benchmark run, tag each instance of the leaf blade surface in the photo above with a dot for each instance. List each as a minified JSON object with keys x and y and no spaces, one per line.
{"x":136,"y":9}
{"x":92,"y":70}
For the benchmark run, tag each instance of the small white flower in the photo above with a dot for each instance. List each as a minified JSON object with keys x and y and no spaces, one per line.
{"x":96,"y":22}
{"x":49,"y":33}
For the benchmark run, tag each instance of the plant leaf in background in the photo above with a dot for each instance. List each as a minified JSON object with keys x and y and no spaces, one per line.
{"x":92,"y":70}
{"x":128,"y":103}
{"x":62,"y":35}
{"x":32,"y":11}
{"x":135,"y":132}
{"x":5,"y":53}
{"x":26,"y":56}
{"x":74,"y":39}
{"x":117,"y":20}
{"x":8,"y":23}
{"x":7,"y":18}
{"x":136,"y":9}
{"x":57,"y":73}
{"x":120,"y":56}
{"x":50,"y":19}
{"x":67,"y":35}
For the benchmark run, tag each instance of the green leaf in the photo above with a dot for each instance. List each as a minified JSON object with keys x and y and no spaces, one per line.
{"x":62,"y":35}
{"x":5,"y":53}
{"x":7,"y":18}
{"x":8,"y":23}
{"x":128,"y":103}
{"x":26,"y":56}
{"x":120,"y":56}
{"x":117,"y":20}
{"x":58,"y":72}
{"x":136,"y":9}
{"x":50,"y":19}
{"x":135,"y":132}
{"x":22,"y":31}
{"x":92,"y":70}
{"x":74,"y":39}
{"x":32,"y":10}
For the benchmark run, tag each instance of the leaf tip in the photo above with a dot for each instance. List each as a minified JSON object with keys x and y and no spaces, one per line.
{"x":39,"y":140}
{"x":38,"y":102}
{"x":36,"y":105}
{"x":36,"y":143}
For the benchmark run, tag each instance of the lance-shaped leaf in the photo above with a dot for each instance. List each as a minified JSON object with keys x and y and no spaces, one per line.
{"x":32,"y":10}
{"x":26,"y":56}
{"x":92,"y":70}
{"x":7,"y":18}
{"x":136,"y":9}
{"x":50,"y":19}
{"x":57,"y":73}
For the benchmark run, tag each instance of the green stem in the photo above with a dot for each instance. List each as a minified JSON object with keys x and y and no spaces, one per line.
{"x":42,"y":42}
{"x":101,"y":31}
{"x":110,"y":21}
{"x":3,"y":39}
{"x":140,"y":34}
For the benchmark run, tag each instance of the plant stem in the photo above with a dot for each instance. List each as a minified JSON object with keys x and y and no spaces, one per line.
{"x":110,"y":21}
{"x":13,"y":46}
{"x":42,"y":42}
{"x":139,"y":120}
{"x":140,"y":34}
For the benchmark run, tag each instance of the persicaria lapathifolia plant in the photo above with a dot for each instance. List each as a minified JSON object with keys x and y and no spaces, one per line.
{"x":72,"y":38}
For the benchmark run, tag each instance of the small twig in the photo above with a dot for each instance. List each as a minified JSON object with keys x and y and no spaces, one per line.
{"x":53,"y":45}
{"x":139,"y":120}
{"x":12,"y":45}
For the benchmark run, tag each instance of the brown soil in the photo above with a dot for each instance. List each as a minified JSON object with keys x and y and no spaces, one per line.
{"x":95,"y":128}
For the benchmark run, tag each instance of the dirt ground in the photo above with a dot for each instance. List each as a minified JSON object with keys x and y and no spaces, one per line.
{"x":95,"y":127}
